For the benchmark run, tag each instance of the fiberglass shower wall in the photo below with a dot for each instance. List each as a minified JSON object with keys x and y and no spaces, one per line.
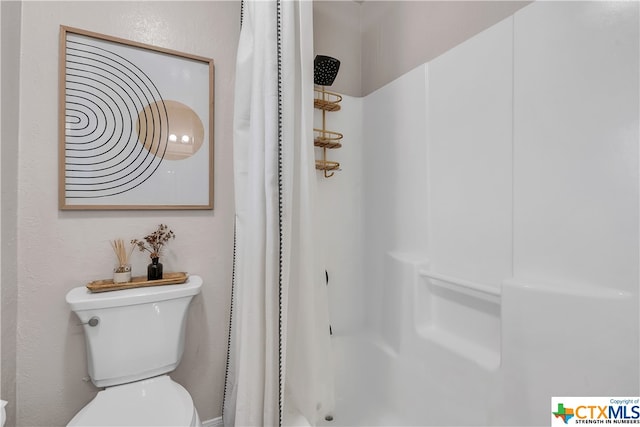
{"x":507,"y":166}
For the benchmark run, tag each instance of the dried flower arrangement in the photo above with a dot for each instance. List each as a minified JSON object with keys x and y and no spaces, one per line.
{"x":154,"y":242}
{"x":122,"y":254}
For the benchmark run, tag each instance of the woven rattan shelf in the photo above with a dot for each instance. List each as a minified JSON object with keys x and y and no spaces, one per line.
{"x":326,"y":101}
{"x":327,"y":165}
{"x":323,"y":143}
{"x":321,"y":104}
{"x":323,"y":138}
{"x":327,"y":139}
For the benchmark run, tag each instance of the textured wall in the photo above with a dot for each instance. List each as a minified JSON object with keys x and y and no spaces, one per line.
{"x":397,"y":36}
{"x":60,"y":250}
{"x":10,"y":52}
{"x":336,"y":32}
{"x":379,"y":41}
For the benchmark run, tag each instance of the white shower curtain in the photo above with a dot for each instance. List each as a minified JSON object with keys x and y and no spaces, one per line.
{"x":278,"y":361}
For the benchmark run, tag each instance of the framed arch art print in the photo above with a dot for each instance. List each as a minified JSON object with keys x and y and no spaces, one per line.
{"x":136,"y":125}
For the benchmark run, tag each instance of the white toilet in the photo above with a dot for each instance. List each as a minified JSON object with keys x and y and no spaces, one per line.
{"x":135,"y":337}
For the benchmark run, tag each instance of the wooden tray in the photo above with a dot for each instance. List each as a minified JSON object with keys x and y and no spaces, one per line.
{"x":137,"y":282}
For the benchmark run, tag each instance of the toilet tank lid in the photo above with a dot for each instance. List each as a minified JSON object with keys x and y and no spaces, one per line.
{"x":81,"y":298}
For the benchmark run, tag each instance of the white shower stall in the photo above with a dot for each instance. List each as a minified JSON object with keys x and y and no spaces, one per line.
{"x":482,"y":238}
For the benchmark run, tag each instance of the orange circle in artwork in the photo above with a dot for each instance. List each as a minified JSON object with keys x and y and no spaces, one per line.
{"x":177,"y":138}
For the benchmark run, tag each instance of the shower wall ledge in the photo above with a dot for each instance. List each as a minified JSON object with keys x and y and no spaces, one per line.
{"x":475,"y":289}
{"x":567,"y":339}
{"x":461,"y":316}
{"x":569,"y":289}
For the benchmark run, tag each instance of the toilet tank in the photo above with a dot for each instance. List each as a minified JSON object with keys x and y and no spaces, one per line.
{"x":139,"y":333}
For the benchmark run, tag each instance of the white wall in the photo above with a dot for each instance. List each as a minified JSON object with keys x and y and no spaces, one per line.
{"x":575,"y":215}
{"x":438,"y":197}
{"x":339,"y":219}
{"x":515,"y":167}
{"x":10,"y":53}
{"x":395,"y":184}
{"x":378,"y":41}
{"x":337,"y":33}
{"x":470,"y":105}
{"x":0,"y":201}
{"x":60,"y":250}
{"x":576,"y":145}
{"x":530,"y":149}
{"x":398,"y":36}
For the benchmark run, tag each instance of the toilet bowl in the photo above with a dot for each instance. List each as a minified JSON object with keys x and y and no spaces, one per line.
{"x":134,"y":339}
{"x":158,"y":401}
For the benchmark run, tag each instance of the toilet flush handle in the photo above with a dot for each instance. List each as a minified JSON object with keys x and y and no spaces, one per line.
{"x":92,"y":322}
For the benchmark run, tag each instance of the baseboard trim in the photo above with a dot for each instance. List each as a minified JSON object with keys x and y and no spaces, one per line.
{"x":214,"y":422}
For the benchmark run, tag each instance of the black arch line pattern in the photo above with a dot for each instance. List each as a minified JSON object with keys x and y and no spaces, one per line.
{"x":280,"y":241}
{"x":106,"y":96}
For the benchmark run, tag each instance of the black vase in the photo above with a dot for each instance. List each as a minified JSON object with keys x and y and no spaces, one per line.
{"x":154,"y":270}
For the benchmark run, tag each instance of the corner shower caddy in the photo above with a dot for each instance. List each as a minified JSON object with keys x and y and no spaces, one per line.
{"x":326,"y":101}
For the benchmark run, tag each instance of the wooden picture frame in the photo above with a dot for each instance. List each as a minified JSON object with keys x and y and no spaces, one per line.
{"x":136,"y":125}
